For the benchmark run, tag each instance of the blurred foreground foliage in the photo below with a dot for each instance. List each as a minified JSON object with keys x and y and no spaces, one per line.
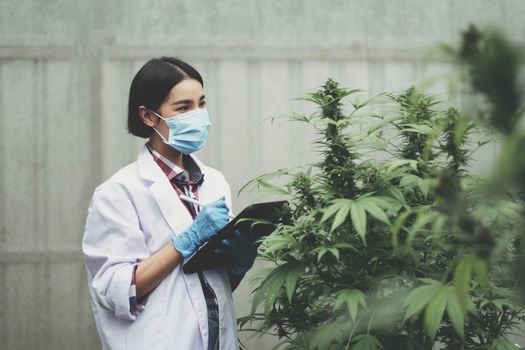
{"x":390,"y":241}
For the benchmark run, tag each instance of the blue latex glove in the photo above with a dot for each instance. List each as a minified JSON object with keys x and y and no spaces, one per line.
{"x":241,"y":251}
{"x":207,"y":223}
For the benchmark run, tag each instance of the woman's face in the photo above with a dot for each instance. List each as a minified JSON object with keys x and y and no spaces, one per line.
{"x":187,"y":95}
{"x":183,"y":97}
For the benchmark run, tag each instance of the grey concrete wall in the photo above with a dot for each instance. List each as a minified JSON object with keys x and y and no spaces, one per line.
{"x":65,"y":71}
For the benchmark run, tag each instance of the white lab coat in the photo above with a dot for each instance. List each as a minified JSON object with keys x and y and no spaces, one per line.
{"x":131,"y":216}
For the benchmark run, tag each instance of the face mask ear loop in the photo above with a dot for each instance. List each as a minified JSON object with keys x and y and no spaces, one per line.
{"x":162,"y":137}
{"x":158,"y":133}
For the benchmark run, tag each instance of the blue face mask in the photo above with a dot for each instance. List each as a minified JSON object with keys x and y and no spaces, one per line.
{"x":187,"y":131}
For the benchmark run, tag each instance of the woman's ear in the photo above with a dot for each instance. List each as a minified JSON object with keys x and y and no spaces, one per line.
{"x":148,"y":117}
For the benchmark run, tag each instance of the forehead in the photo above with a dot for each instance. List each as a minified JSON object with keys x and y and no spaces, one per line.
{"x":186,"y":89}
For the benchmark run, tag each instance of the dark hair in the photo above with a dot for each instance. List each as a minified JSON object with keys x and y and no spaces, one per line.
{"x":151,"y":86}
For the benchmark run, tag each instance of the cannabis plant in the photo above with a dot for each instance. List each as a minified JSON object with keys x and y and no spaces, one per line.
{"x":389,"y":240}
{"x":494,"y":65}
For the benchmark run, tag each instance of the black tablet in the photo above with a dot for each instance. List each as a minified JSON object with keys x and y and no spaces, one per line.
{"x":265,"y":216}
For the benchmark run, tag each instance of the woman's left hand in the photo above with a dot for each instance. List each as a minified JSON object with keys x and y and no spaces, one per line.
{"x":241,"y":250}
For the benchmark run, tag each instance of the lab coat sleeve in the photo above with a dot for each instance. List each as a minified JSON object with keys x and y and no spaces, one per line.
{"x":113,"y":244}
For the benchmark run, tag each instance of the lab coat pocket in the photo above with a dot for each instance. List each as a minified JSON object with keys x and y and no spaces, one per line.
{"x":152,"y":318}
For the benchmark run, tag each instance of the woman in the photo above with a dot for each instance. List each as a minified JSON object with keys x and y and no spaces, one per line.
{"x":138,"y":230}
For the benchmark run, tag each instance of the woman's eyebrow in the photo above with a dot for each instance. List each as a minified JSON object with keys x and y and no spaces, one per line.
{"x":181,"y":102}
{"x":187,"y":101}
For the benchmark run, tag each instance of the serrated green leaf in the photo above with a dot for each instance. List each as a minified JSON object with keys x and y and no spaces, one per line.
{"x":422,"y":220}
{"x":274,"y":287}
{"x":471,"y":308}
{"x":335,"y":252}
{"x":264,"y":177}
{"x":358,"y":215}
{"x":382,"y":123}
{"x":499,"y":303}
{"x":461,"y":128}
{"x":397,"y":195}
{"x":341,"y":215}
{"x":418,"y":299}
{"x":270,"y":287}
{"x":396,"y":228}
{"x":291,"y":283}
{"x":355,"y":298}
{"x":323,"y":336}
{"x":321,"y":251}
{"x":503,"y":344}
{"x":297,"y":117}
{"x":409,"y":180}
{"x":331,"y":210}
{"x":420,"y":129}
{"x":434,"y":312}
{"x":345,"y":245}
{"x":462,"y":276}
{"x":399,"y":163}
{"x":341,"y":298}
{"x":481,"y":270}
{"x":375,"y":211}
{"x":352,"y":308}
{"x":377,"y":142}
{"x":380,"y":201}
{"x":438,"y":224}
{"x":455,"y":312}
{"x":424,"y":186}
{"x":430,"y":281}
{"x":367,"y":342}
{"x":272,"y":188}
{"x":277,"y":243}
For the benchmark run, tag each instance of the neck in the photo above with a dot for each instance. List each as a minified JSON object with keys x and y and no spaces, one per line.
{"x":170,"y":153}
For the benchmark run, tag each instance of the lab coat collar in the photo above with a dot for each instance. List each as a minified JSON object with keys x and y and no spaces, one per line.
{"x":172,"y":208}
{"x":149,"y":170}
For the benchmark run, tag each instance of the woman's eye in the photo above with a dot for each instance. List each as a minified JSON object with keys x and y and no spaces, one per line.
{"x":182,"y":109}
{"x":203,"y":103}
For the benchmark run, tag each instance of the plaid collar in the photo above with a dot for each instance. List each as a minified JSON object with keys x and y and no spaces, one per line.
{"x":175,"y":173}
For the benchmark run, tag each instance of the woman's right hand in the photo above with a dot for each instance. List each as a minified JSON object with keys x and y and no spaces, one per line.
{"x":210,"y":220}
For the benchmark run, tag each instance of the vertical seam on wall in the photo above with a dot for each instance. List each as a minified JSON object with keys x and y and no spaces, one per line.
{"x":35,"y":137}
{"x":252,"y":88}
{"x":218,"y":119}
{"x":125,"y":72}
{"x":3,"y":112}
{"x":257,"y":105}
{"x":96,"y":108}
{"x":2,"y":207}
{"x":44,"y":154}
{"x":81,"y":302}
{"x":294,"y":81}
{"x":43,"y":208}
{"x":4,"y":298}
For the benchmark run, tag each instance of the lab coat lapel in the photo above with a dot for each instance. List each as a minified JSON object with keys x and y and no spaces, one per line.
{"x":178,"y":218}
{"x":199,"y":304}
{"x":172,"y":209}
